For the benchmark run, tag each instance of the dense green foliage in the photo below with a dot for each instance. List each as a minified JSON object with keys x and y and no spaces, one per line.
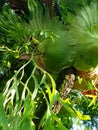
{"x":33,"y":51}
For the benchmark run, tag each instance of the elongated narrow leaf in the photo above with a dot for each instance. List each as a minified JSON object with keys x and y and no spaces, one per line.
{"x":3,"y":119}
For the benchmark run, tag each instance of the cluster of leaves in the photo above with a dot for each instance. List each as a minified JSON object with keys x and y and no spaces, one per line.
{"x":29,"y":92}
{"x":24,"y":98}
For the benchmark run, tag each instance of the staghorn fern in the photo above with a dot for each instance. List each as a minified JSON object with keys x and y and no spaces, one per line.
{"x":85,"y":30}
{"x":58,"y":50}
{"x":56,"y":44}
{"x":58,"y":47}
{"x":79,"y":45}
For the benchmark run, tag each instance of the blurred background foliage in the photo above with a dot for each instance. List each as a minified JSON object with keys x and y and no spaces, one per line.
{"x":28,"y":92}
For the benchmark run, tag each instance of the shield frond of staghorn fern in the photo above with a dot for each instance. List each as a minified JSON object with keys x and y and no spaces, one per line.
{"x":56,"y":46}
{"x":85,"y":30}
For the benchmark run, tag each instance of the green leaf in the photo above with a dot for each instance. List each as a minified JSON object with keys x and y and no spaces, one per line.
{"x":61,"y":126}
{"x":31,"y":5}
{"x":94,"y":97}
{"x":43,"y":79}
{"x":3,"y":119}
{"x":34,"y":94}
{"x":68,"y":107}
{"x":49,"y":124}
{"x":53,"y":84}
{"x":28,"y":107}
{"x":16,"y":123}
{"x":83,"y":117}
{"x":27,"y":124}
